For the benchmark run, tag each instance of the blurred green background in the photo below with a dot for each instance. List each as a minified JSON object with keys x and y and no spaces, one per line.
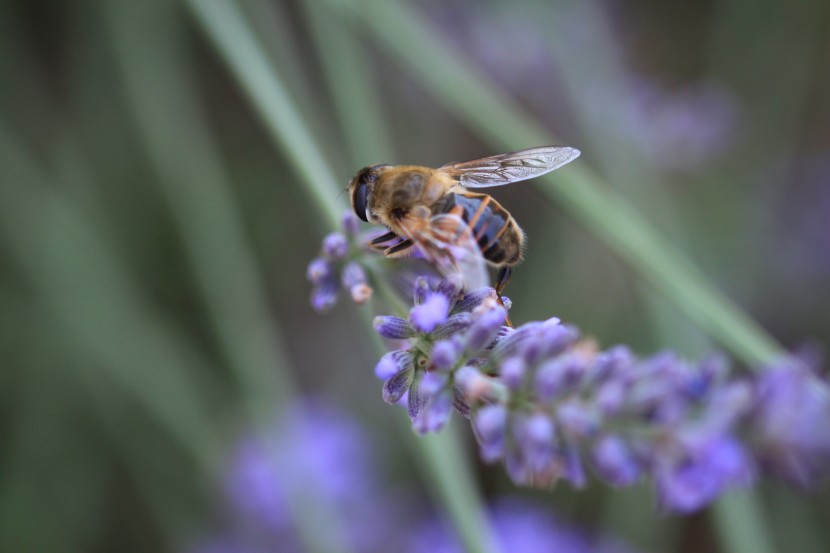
{"x":168,"y":169}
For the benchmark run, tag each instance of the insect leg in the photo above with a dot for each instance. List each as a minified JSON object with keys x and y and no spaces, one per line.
{"x":400,"y":249}
{"x":503,"y":278}
{"x":385,"y":238}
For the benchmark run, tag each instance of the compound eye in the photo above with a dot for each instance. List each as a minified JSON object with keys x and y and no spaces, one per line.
{"x":359,"y":200}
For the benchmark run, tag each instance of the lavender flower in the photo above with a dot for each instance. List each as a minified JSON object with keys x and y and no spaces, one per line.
{"x":341,"y":263}
{"x":443,"y":325}
{"x":315,"y":450}
{"x":551,"y":406}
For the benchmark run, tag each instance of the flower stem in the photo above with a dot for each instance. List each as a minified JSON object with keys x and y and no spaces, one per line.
{"x":224,"y":25}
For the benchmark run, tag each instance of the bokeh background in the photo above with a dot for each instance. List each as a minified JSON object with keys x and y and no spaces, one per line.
{"x":168,"y":169}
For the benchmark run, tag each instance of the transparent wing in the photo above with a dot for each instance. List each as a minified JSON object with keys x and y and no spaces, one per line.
{"x":513,"y":167}
{"x":448,"y":243}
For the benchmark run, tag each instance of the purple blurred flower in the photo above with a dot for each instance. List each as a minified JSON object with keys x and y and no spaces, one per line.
{"x":518,"y":526}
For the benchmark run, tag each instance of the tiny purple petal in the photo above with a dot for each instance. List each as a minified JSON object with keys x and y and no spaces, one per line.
{"x":431,"y":313}
{"x":445,"y":354}
{"x":335,"y":246}
{"x":393,"y":363}
{"x":435,"y":414}
{"x":393,"y":328}
{"x":431,"y":383}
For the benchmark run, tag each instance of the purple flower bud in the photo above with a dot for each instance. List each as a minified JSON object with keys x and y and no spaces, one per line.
{"x":395,"y":387}
{"x":324,"y":296}
{"x":335,"y":246}
{"x":393,"y":328}
{"x":431,"y":313}
{"x":613,"y":362}
{"x":352,"y":275}
{"x":445,"y":354}
{"x":393,"y":363}
{"x":473,"y":299}
{"x":501,"y":334}
{"x":577,"y":419}
{"x":319,"y":270}
{"x":574,"y":470}
{"x":484,"y":329}
{"x":420,"y":290}
{"x":510,"y":344}
{"x":450,"y":286}
{"x":490,"y":422}
{"x":559,"y":375}
{"x":460,"y":403}
{"x":535,"y":436}
{"x":556,"y":338}
{"x":435,"y":414}
{"x":350,"y":224}
{"x":614,"y":461}
{"x":513,"y":372}
{"x":610,"y":397}
{"x":506,"y":302}
{"x":453,"y":324}
{"x":354,"y":280}
{"x":416,"y":399}
{"x":473,"y":384}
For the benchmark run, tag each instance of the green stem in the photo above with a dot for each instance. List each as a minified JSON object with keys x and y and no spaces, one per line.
{"x":224,"y":25}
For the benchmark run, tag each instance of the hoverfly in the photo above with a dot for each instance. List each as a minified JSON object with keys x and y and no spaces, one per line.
{"x":435,"y":211}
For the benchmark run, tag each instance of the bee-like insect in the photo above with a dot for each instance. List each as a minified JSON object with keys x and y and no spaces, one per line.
{"x":456,"y":229}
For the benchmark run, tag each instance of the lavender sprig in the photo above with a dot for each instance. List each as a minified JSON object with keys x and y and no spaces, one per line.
{"x":551,"y":406}
{"x":341,"y":263}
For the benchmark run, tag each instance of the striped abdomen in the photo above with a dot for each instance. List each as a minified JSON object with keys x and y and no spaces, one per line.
{"x":497,"y":234}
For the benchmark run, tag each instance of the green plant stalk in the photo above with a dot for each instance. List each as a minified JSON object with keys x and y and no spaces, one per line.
{"x":93,"y":297}
{"x":234,"y":40}
{"x":182,"y":151}
{"x":484,"y":108}
{"x":349,"y":81}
